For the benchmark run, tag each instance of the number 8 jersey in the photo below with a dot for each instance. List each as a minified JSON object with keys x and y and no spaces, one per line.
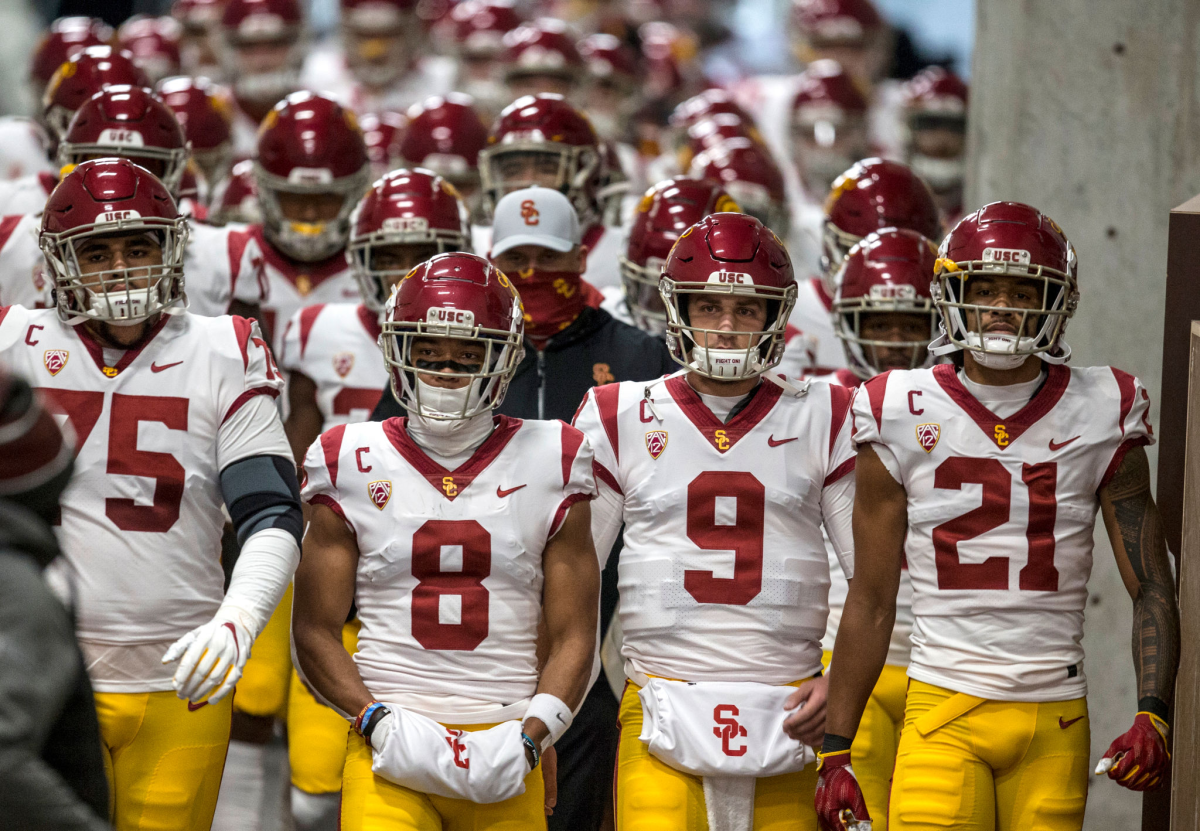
{"x":724,"y":575}
{"x":1001,"y":513}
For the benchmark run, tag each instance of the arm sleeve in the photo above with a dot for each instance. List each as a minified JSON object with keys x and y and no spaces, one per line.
{"x":578,"y":482}
{"x":250,"y":424}
{"x":1133,"y":420}
{"x":837,"y":509}
{"x":608,"y":512}
{"x":318,"y":474}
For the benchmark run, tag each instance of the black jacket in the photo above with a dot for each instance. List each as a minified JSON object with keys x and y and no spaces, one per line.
{"x":596,"y":349}
{"x":51,"y":767}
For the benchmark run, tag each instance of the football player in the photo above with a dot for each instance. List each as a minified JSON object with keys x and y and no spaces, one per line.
{"x":154,"y":43}
{"x":336,"y":373}
{"x":477,"y":29}
{"x":205,"y":112}
{"x":542,"y":140}
{"x":65,"y":38}
{"x":884,"y":315}
{"x":453,"y":701}
{"x":935,"y":107}
{"x":130,"y":122}
{"x":541,"y":57}
{"x":446,"y":135}
{"x":985,"y":476}
{"x":174,"y":417}
{"x":724,"y":475}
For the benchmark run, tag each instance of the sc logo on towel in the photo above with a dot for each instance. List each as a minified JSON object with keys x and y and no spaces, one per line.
{"x":729,"y":729}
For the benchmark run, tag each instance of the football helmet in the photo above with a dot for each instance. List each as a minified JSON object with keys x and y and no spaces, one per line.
{"x":405,"y":207}
{"x":888,"y":271}
{"x":712,"y":130}
{"x":308,"y":144}
{"x":101,"y":198}
{"x":205,"y":112}
{"x":707,"y":103}
{"x":249,"y":23}
{"x":154,"y":44}
{"x":542,"y":140}
{"x":446,"y":135}
{"x":663,"y":214}
{"x":235,"y":198}
{"x":382,"y":133}
{"x":380,"y":39}
{"x":873,"y":194}
{"x":199,"y":19}
{"x":459,"y":296}
{"x":66,"y":38}
{"x":541,"y":57}
{"x":935,"y":104}
{"x":828,"y":125}
{"x":727,"y":253}
{"x":131,"y":123}
{"x":613,"y":93}
{"x":478,"y":28}
{"x":746,"y":170}
{"x":1012,"y":240}
{"x":850,"y":31}
{"x":81,"y":77}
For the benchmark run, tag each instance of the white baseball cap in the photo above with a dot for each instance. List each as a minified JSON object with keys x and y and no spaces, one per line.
{"x":535,"y":216}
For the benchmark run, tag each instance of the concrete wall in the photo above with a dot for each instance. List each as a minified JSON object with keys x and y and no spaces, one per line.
{"x":1090,"y":110}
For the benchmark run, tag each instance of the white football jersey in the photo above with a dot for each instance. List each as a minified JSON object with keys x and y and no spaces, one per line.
{"x":605,"y":247}
{"x":723,"y":576}
{"x":26,"y":194}
{"x":325,"y":70}
{"x":1001,"y":513}
{"x":449,"y":578}
{"x":337,"y":346}
{"x":212,"y":266}
{"x":818,"y":349}
{"x":142,"y":519}
{"x":288,"y":285}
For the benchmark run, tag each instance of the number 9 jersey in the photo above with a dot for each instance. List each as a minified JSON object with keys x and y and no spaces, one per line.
{"x":1001,"y":513}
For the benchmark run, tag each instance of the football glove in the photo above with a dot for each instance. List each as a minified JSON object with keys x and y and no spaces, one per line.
{"x":211,"y":657}
{"x":839,"y":799}
{"x":1138,"y":759}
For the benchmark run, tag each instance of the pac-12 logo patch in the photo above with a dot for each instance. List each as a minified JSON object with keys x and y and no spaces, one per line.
{"x":380,"y":492}
{"x":55,"y":360}
{"x":656,"y":442}
{"x":343,"y":362}
{"x":928,"y":435}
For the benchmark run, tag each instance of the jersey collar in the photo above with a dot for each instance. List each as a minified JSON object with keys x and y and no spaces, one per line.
{"x":128,"y":356}
{"x":316,"y":272}
{"x":720,"y":435}
{"x":451,"y":483}
{"x":1004,"y":431}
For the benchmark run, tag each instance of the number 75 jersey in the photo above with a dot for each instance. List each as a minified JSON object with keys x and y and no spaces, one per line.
{"x":1001,"y":513}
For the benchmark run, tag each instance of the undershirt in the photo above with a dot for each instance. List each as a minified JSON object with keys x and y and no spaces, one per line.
{"x":1003,"y":400}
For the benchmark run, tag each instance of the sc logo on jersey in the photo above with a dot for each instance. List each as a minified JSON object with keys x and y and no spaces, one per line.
{"x":1001,"y":435}
{"x":460,"y":750}
{"x":729,"y":729}
{"x":721,"y":440}
{"x":448,"y":486}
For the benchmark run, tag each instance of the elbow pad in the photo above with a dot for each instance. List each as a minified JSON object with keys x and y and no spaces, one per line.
{"x":263,"y":492}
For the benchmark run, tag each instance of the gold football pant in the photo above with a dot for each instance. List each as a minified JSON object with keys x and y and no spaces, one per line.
{"x":164,"y":760}
{"x":974,"y":764}
{"x":371,"y":803}
{"x":874,"y":748}
{"x":263,"y":688}
{"x":317,"y":734}
{"x":652,"y":796}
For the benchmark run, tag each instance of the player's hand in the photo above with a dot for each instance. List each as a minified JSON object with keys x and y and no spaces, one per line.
{"x":1138,"y":759}
{"x":807,"y":724}
{"x":550,"y":778}
{"x":839,"y":800}
{"x":212,"y":658}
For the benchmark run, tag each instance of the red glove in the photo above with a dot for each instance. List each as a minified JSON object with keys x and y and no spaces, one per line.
{"x":1138,"y":759}
{"x":839,"y":800}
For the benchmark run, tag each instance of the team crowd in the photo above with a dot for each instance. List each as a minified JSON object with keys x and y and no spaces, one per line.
{"x":532,"y":432}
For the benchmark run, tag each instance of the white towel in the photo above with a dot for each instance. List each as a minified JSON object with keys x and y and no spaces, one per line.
{"x":729,"y":801}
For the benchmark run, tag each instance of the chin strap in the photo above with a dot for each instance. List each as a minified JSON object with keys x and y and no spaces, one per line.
{"x":783,"y":383}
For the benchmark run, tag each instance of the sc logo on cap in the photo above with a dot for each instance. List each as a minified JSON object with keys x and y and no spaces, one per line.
{"x":529,"y":212}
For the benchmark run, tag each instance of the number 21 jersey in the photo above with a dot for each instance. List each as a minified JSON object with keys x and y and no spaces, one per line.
{"x":1001,"y":513}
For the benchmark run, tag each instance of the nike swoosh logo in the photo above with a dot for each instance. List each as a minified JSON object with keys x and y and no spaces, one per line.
{"x":772,"y":443}
{"x":1065,"y":724}
{"x":1056,"y":446}
{"x":156,"y":368}
{"x":194,"y":707}
{"x":501,"y":492}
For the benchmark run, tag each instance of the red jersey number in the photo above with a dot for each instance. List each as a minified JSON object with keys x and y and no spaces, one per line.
{"x":465,"y":584}
{"x":1039,"y":572}
{"x":350,"y":399}
{"x":744,"y":536}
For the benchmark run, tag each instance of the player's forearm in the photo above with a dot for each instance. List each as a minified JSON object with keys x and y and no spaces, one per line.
{"x":864,"y":633}
{"x":329,"y":668}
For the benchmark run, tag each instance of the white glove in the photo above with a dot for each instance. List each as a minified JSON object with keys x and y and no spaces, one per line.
{"x":417,"y":753}
{"x":213,"y":657}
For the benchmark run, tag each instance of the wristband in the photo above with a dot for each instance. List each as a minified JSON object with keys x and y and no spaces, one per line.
{"x":364,"y":716}
{"x":372,"y":721}
{"x":835,"y":744}
{"x":1155,"y":706}
{"x":553,"y":712}
{"x":533,"y":748}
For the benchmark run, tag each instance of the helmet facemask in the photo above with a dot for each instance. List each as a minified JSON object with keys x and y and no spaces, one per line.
{"x":864,"y":353}
{"x":308,"y":241}
{"x":642,"y":296}
{"x":375,"y":283}
{"x":531,"y":162}
{"x":835,"y":245}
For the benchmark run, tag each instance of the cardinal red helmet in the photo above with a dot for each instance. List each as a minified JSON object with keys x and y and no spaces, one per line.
{"x":235,"y":198}
{"x":197,"y":15}
{"x":544,"y":47}
{"x":873,"y":194}
{"x":67,"y":37}
{"x":245,"y":23}
{"x":887,"y":272}
{"x":309,"y":144}
{"x":609,"y":59}
{"x":405,"y":207}
{"x":707,"y":103}
{"x":105,"y":197}
{"x":828,"y":125}
{"x":712,"y":130}
{"x":81,"y":77}
{"x":663,"y":214}
{"x":462,"y":297}
{"x":728,"y":253}
{"x":542,"y":140}
{"x":154,"y":44}
{"x":828,"y":22}
{"x":747,"y":171}
{"x":205,"y":112}
{"x":382,"y":133}
{"x":936,"y":107}
{"x":1007,"y":241}
{"x":446,"y":136}
{"x":129,"y":122}
{"x":480,"y":26}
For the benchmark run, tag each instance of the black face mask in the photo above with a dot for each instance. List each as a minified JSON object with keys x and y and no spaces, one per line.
{"x":446,"y":366}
